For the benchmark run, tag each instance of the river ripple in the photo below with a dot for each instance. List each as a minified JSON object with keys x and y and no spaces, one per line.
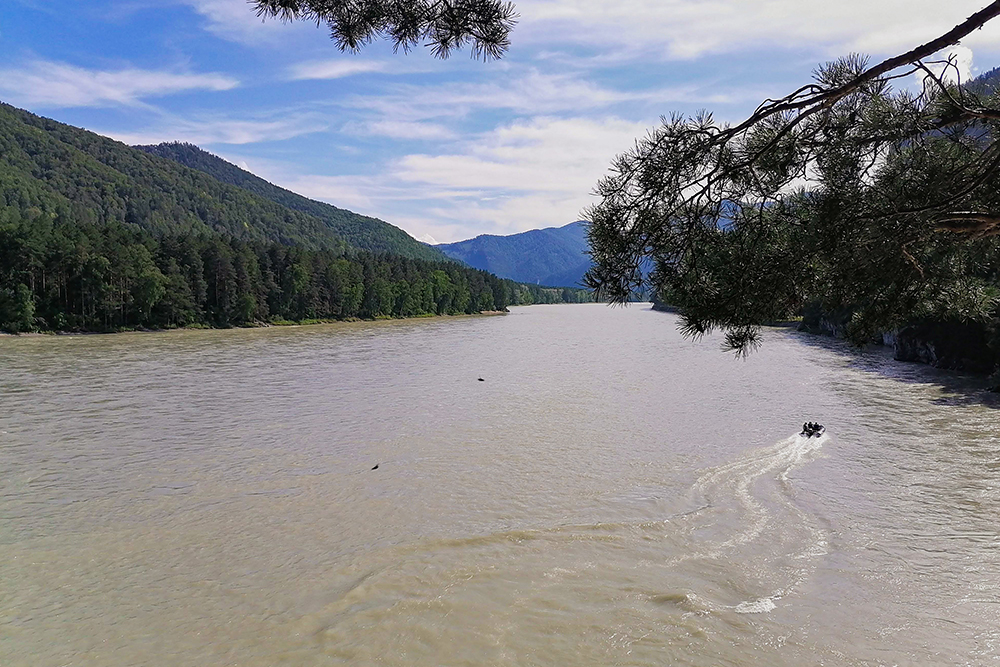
{"x":610,"y":494}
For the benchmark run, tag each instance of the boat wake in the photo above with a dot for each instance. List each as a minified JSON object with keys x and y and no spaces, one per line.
{"x":750,"y":520}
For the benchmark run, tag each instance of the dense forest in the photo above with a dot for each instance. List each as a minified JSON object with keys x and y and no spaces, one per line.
{"x":360,"y":231}
{"x":98,"y":236}
{"x":60,"y":274}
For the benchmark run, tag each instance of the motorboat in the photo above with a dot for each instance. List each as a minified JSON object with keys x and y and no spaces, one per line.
{"x":809,"y":429}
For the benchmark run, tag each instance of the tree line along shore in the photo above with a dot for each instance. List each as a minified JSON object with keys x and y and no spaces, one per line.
{"x":58,"y":275}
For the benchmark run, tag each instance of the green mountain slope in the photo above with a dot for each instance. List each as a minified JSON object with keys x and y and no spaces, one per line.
{"x":554,"y":256}
{"x":360,"y":231}
{"x":98,"y":236}
{"x":60,"y":169}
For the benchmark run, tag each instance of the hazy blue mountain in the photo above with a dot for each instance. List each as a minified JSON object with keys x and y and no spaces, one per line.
{"x":358,"y":230}
{"x":986,"y":83}
{"x":555,"y":256}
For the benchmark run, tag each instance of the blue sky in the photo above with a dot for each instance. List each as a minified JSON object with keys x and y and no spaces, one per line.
{"x":444,"y":149}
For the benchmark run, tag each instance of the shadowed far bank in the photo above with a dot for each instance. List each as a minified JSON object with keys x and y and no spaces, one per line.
{"x":966,"y":353}
{"x":971,"y":347}
{"x":958,"y":356}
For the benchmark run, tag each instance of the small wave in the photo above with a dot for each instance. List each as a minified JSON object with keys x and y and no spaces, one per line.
{"x":761,"y":606}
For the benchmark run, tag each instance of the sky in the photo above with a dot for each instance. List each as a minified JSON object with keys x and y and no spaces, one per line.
{"x":445,"y":149}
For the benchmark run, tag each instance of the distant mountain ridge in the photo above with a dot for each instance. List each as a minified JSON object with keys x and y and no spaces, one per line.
{"x":554,"y":257}
{"x":360,"y":231}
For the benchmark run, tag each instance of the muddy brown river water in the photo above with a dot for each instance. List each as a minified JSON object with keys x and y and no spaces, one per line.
{"x":610,"y":494}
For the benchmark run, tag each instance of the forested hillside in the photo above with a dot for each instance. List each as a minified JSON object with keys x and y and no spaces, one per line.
{"x":98,"y":236}
{"x":359,"y":231}
{"x":554,"y":256}
{"x":58,"y":168}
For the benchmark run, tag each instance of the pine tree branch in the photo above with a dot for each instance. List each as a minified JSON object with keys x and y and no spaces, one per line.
{"x":973,"y":224}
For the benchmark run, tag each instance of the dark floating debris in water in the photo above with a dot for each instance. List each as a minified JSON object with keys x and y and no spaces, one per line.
{"x":482,"y":380}
{"x":809,"y":429}
{"x":375,"y":467}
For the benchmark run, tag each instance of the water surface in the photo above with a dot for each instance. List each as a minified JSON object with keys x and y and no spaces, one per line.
{"x":610,"y":494}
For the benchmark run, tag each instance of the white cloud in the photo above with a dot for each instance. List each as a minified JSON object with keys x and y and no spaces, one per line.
{"x":688,"y":29}
{"x":540,"y":155}
{"x":335,"y":69}
{"x":529,"y":92}
{"x":535,"y":173}
{"x":210,"y":130}
{"x":953,"y":65}
{"x":53,"y":84}
{"x":361,"y":194}
{"x":236,"y":20}
{"x":400,"y":129}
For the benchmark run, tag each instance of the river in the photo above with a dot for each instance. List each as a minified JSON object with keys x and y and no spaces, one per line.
{"x":609,"y":494}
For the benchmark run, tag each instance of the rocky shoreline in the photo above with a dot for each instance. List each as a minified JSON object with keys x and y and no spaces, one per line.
{"x":955,"y":346}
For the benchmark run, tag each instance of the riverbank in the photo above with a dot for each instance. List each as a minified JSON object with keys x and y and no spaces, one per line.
{"x":955,"y":346}
{"x":255,"y":325}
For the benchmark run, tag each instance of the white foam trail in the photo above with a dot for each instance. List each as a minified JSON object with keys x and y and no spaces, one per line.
{"x":742,"y":475}
{"x":738,"y":480}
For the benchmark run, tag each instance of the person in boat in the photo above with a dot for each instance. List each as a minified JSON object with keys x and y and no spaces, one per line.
{"x":809,"y":429}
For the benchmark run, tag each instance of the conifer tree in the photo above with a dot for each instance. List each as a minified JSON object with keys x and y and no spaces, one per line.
{"x":850,"y":193}
{"x":444,"y":25}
